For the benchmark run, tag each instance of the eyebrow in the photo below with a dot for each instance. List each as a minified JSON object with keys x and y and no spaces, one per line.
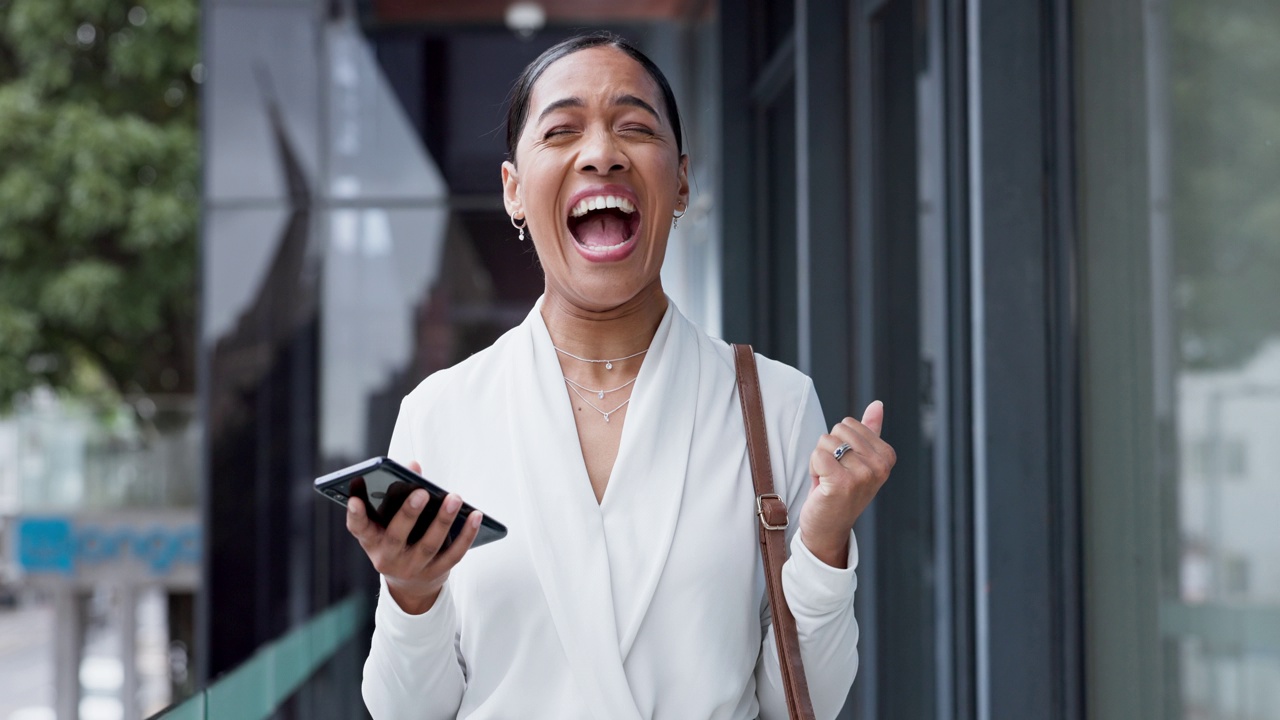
{"x":576,"y":102}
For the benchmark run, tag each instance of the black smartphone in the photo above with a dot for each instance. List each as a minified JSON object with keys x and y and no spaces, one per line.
{"x":384,"y":484}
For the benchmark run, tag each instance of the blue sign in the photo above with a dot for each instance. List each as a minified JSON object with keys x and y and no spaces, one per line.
{"x":45,"y":545}
{"x":60,"y":545}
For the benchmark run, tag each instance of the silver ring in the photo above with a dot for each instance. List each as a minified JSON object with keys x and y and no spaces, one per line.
{"x":840,"y":451}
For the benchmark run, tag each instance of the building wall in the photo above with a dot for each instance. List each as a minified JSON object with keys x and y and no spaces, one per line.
{"x":1055,"y":256}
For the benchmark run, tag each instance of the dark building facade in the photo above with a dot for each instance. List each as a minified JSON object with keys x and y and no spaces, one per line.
{"x":1043,"y":232}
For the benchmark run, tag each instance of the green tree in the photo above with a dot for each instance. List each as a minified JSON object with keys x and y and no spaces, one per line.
{"x":1226,"y":177}
{"x":99,"y":164}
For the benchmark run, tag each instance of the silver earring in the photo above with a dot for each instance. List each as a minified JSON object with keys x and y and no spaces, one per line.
{"x":675,"y":219}
{"x":519,"y":227}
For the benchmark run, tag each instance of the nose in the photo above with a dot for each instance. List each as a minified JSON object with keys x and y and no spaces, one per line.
{"x":601,"y":153}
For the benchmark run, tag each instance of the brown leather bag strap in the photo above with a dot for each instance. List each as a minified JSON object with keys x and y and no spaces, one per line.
{"x":772,"y":513}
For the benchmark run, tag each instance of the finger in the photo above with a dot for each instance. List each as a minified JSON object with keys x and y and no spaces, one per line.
{"x":866,"y":451}
{"x":869,"y":448}
{"x":873,"y":417}
{"x":357,"y":521}
{"x":429,"y":546}
{"x":863,"y":439}
{"x":402,"y":523}
{"x":366,"y":531}
{"x":461,"y":544}
{"x":831,"y":441}
{"x":414,"y":466}
{"x":860,"y":439}
{"x":823,"y":463}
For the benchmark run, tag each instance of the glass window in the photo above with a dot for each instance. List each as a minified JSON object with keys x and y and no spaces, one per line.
{"x":406,"y":292}
{"x":1180,"y":228}
{"x":263,"y":82}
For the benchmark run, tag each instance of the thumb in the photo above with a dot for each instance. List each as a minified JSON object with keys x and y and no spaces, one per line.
{"x":873,"y":416}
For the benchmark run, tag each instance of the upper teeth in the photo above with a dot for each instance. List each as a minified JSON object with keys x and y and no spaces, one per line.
{"x":601,"y":202}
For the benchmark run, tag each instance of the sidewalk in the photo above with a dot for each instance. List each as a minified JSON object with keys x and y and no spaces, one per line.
{"x":26,"y":661}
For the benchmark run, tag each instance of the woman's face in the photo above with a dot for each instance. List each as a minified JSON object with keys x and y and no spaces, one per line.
{"x":597,"y":178}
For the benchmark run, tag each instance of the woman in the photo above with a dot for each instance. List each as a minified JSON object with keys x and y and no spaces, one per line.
{"x":605,"y":431}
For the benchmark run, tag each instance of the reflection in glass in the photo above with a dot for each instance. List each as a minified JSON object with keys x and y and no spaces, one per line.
{"x":1224,"y":179}
{"x":1179,"y":199}
{"x":374,"y":151}
{"x":407,"y":292}
{"x":379,"y":266}
{"x":263,"y":60}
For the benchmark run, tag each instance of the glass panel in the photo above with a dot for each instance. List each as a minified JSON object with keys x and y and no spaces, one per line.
{"x":470,"y":127}
{"x":263,"y":83}
{"x":1184,"y":479}
{"x":692,"y":272}
{"x":375,"y":150}
{"x":906,"y":644}
{"x":260,"y":345}
{"x":379,"y":269}
{"x":407,"y":292}
{"x":239,"y":246}
{"x":1225,"y":141}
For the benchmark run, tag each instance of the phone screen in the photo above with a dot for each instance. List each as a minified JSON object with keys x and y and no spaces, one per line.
{"x":383,"y":492}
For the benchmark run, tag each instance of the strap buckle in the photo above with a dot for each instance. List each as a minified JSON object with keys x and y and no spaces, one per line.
{"x":760,"y":511}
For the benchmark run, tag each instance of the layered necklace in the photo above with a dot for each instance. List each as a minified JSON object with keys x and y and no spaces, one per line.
{"x":578,"y":389}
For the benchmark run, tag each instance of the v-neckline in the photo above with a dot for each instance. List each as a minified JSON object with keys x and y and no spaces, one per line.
{"x":543,"y":345}
{"x":574,"y":547}
{"x":617,"y":451}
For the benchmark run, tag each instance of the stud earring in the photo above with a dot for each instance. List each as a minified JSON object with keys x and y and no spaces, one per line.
{"x":519,"y":227}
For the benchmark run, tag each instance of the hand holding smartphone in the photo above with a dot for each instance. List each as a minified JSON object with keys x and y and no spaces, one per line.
{"x":383,"y":485}
{"x":414,"y":548}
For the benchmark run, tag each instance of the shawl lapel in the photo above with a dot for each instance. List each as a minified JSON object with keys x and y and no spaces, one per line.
{"x":563,"y":522}
{"x":641,"y":504}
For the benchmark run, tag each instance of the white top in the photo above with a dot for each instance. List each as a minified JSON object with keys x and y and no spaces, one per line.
{"x":648,"y":604}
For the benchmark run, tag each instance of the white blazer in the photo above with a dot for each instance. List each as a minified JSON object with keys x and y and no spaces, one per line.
{"x":648,"y":604}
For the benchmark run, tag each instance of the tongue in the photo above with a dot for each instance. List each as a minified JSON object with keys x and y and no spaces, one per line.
{"x":601,"y":230}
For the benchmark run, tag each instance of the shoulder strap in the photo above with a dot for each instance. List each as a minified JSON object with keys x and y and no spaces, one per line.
{"x":772,"y":512}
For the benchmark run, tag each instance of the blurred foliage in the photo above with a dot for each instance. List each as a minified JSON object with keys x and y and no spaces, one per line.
{"x":1226,"y":177}
{"x":99,"y":164}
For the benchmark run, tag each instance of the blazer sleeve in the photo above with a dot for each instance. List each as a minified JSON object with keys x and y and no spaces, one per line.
{"x":820,"y":596}
{"x":414,"y":670}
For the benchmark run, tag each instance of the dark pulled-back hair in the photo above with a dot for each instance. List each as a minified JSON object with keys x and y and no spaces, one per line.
{"x":518,"y":109}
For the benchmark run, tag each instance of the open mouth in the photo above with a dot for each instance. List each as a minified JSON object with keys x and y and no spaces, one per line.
{"x":604,"y":222}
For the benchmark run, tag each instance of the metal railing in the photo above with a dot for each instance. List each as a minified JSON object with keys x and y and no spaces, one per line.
{"x":257,"y":688}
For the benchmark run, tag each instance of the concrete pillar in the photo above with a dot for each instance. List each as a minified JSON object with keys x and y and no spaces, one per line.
{"x":129,"y":650}
{"x":69,"y":604}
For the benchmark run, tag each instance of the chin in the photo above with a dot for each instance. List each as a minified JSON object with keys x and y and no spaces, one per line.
{"x":599,"y":293}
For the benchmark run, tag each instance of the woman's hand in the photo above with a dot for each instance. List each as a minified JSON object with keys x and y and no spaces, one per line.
{"x":843,"y":488}
{"x":415,"y":573}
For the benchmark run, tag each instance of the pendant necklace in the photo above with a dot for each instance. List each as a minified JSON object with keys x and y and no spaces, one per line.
{"x":598,"y":393}
{"x":603,"y":414}
{"x":608,"y":364}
